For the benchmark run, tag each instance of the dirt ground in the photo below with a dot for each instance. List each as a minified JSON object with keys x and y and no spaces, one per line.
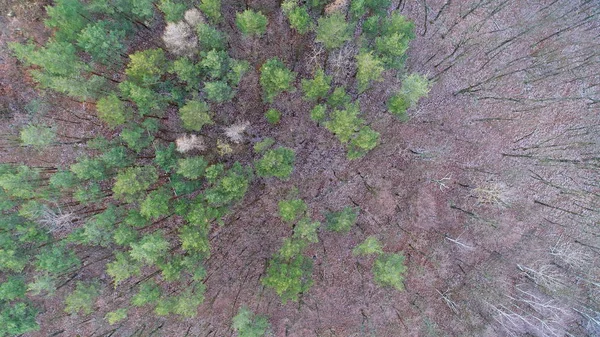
{"x":496,"y":167}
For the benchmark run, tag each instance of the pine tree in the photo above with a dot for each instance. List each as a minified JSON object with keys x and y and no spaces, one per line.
{"x":251,"y":23}
{"x":275,"y":78}
{"x":333,"y":30}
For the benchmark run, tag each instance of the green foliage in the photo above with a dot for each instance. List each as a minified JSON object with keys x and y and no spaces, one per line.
{"x":306,"y":230}
{"x":389,"y":270}
{"x":20,"y":182}
{"x":344,"y":123}
{"x":165,"y":157}
{"x":17,"y":319}
{"x":212,"y":9}
{"x":215,"y":63}
{"x":318,"y":87}
{"x":414,"y":87}
{"x":194,"y":115}
{"x":237,"y":70}
{"x":273,"y":116}
{"x":68,"y":16}
{"x":116,"y":157}
{"x":370,"y":69}
{"x":364,"y":141}
{"x":136,"y":137}
{"x":370,"y":246}
{"x":231,"y":187}
{"x":89,"y":168}
{"x":276,"y":163}
{"x":101,"y":42}
{"x":42,"y":283}
{"x":125,"y":235}
{"x":213,"y":172}
{"x":156,"y":204}
{"x":122,"y":268}
{"x":192,"y":167}
{"x":147,"y":66}
{"x":37,"y":136}
{"x":275,"y":78}
{"x":195,"y":239}
{"x":146,"y":100}
{"x":360,"y":7}
{"x":210,"y":38}
{"x":173,"y":10}
{"x":318,"y":113}
{"x":111,"y":110}
{"x":251,"y":23}
{"x":149,"y":292}
{"x":82,"y":298}
{"x":98,"y":229}
{"x":343,"y":220}
{"x":150,"y":248}
{"x":187,"y":72}
{"x":246,"y":324}
{"x":264,"y":145}
{"x":13,"y":288}
{"x":339,"y":98}
{"x":130,"y":182}
{"x":291,"y":210}
{"x":218,"y":91}
{"x":56,"y":259}
{"x":116,"y":316}
{"x":289,"y":278}
{"x":297,"y":15}
{"x":397,"y":105}
{"x":333,"y":30}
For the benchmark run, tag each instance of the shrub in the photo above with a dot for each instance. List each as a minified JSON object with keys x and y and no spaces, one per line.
{"x":194,"y":115}
{"x":150,"y":248}
{"x":339,"y":98}
{"x":318,"y":87}
{"x":333,"y":30}
{"x":210,"y":38}
{"x":173,"y":11}
{"x":192,"y":167}
{"x":276,"y":163}
{"x":246,"y":324}
{"x":289,"y":278}
{"x":263,"y":145}
{"x":389,"y":270}
{"x":156,"y":204}
{"x":218,"y":91}
{"x":275,"y":78}
{"x":306,"y":230}
{"x":147,"y":66}
{"x":116,"y":316}
{"x":370,"y":246}
{"x":290,"y":210}
{"x":343,"y":220}
{"x":251,"y":23}
{"x":344,"y":123}
{"x":297,"y":16}
{"x":370,"y":69}
{"x":212,"y":9}
{"x":82,"y":298}
{"x":318,"y":113}
{"x":364,"y":141}
{"x":111,"y":110}
{"x":132,"y":181}
{"x":273,"y":116}
{"x":37,"y":136}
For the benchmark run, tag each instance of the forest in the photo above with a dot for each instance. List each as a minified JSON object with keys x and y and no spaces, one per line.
{"x":299,"y":168}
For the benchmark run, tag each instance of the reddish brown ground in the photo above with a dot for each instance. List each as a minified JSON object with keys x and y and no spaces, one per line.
{"x":527,"y":125}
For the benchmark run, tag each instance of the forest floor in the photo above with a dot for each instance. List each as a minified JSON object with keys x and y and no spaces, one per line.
{"x":496,"y":167}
